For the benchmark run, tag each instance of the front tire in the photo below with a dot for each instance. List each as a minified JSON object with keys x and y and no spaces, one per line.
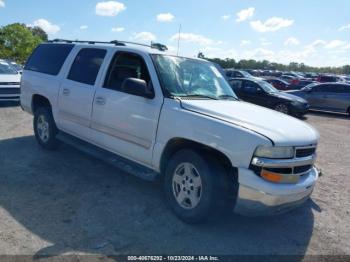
{"x":282,"y":108}
{"x":45,"y":129}
{"x":191,"y":186}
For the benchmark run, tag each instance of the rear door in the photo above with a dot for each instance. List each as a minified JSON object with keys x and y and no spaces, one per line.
{"x":78,"y":88}
{"x":318,"y":97}
{"x":339,"y":98}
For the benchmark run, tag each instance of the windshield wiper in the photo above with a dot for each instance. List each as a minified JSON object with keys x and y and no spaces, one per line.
{"x":228,"y":97}
{"x":198,"y":96}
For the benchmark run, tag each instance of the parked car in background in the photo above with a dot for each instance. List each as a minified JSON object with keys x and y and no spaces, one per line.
{"x":232,"y":73}
{"x":291,"y":79}
{"x":237,"y":73}
{"x":334,"y":97}
{"x":9,"y":82}
{"x":293,"y":74}
{"x":311,"y":76}
{"x":264,"y":94}
{"x":328,"y":78}
{"x":302,"y":83}
{"x":278,"y":83}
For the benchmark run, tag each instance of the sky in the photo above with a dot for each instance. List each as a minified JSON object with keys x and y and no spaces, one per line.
{"x":314,"y":32}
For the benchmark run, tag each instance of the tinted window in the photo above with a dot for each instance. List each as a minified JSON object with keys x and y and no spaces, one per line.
{"x":322,"y":88}
{"x":229,"y":73}
{"x":236,"y":85}
{"x":48,"y":58}
{"x":250,"y":87}
{"x":328,"y":79}
{"x":126,"y":65}
{"x":86,"y":65}
{"x":341,"y":88}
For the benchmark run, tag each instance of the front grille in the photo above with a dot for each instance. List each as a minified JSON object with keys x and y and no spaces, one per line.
{"x":304,"y":152}
{"x":10,"y":91}
{"x":9,"y":83}
{"x":280,"y":170}
{"x":302,"y":169}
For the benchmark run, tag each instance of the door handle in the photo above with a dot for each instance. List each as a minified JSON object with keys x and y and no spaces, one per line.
{"x":66,"y":91}
{"x":100,"y":101}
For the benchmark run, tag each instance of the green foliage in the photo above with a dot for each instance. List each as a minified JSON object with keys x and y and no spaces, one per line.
{"x":17,"y":41}
{"x":37,"y":31}
{"x":266,"y":65}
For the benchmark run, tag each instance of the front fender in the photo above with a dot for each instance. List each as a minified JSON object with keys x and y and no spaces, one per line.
{"x":235,"y":142}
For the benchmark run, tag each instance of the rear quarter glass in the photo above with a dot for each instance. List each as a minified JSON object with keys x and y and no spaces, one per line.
{"x":48,"y":58}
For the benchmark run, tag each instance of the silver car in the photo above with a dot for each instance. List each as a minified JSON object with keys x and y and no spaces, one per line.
{"x":334,"y":97}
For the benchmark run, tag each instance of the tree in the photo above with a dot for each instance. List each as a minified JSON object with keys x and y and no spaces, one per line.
{"x":267,"y":65}
{"x":37,"y":31}
{"x":200,"y":55}
{"x":17,"y":42}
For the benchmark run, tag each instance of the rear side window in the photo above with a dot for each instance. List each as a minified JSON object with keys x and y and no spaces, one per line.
{"x":322,"y":88}
{"x":341,"y":89}
{"x":48,"y":58}
{"x":86,"y":65}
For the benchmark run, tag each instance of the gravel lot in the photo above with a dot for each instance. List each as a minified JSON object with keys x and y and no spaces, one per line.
{"x":66,"y":202}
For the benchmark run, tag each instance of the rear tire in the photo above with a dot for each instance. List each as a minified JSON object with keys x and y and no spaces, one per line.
{"x":45,"y":129}
{"x":192,"y":186}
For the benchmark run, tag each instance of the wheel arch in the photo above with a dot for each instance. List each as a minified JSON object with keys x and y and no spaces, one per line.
{"x":176,"y":144}
{"x":39,"y":101}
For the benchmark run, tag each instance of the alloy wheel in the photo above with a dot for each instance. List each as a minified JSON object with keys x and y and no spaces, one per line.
{"x":187,"y":185}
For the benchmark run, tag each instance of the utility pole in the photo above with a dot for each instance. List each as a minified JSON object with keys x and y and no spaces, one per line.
{"x":178,"y":40}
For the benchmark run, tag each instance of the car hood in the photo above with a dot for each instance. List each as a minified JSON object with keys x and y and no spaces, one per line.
{"x":281,"y":129}
{"x":10,"y":78}
{"x":288,"y":96}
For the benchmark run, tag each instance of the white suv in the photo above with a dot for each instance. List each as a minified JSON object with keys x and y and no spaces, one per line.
{"x":157,"y":115}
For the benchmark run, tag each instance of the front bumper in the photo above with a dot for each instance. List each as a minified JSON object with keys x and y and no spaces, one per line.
{"x":259,"y":197}
{"x":300,"y":109}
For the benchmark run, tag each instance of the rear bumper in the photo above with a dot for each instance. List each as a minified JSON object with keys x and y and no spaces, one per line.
{"x":259,"y":198}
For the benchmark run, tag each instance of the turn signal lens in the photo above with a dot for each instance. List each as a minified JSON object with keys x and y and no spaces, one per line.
{"x":278,"y":178}
{"x":270,"y":176}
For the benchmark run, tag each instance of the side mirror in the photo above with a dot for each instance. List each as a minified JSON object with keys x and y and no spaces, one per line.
{"x":137,"y":87}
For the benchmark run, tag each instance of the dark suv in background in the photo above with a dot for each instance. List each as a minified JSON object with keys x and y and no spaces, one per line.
{"x":264,"y":94}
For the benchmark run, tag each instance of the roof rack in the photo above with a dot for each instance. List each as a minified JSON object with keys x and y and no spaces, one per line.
{"x":157,"y":46}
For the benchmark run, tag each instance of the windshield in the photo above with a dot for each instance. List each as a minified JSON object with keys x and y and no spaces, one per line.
{"x":17,"y":67}
{"x":6,"y":69}
{"x":185,"y":77}
{"x":267,"y":87}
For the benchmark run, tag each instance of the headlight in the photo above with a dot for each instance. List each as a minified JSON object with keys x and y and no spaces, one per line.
{"x":274,"y":152}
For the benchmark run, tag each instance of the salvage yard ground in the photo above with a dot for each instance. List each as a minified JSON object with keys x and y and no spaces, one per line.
{"x":67,"y":202}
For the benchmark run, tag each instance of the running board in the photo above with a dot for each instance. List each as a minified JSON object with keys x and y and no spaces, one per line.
{"x":119,"y":162}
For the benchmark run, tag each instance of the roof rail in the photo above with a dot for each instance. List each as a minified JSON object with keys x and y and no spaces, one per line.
{"x":157,"y":46}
